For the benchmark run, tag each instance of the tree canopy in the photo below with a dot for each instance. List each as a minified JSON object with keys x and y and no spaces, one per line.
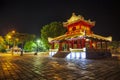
{"x":30,"y":46}
{"x":2,"y":43}
{"x":16,"y":38}
{"x":53,"y":29}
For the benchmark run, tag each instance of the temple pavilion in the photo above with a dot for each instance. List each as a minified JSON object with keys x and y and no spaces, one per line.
{"x":79,"y":41}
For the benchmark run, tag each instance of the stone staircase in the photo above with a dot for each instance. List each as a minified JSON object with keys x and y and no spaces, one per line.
{"x":61,"y":54}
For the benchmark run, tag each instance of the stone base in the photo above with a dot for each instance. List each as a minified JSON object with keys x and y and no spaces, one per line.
{"x":97,"y":55}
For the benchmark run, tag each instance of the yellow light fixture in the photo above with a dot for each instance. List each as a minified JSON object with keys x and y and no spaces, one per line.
{"x":13,"y":31}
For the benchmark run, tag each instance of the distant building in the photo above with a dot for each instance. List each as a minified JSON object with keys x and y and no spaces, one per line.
{"x":16,"y":49}
{"x":79,"y":41}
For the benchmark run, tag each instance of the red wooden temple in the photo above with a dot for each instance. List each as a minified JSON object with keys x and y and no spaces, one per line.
{"x":79,"y":38}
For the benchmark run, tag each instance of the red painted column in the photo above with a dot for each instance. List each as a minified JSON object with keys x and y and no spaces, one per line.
{"x":95,"y":45}
{"x":91,"y":44}
{"x":106,"y":45}
{"x":52,"y":45}
{"x":83,"y":43}
{"x":72,"y":44}
{"x":68,"y":47}
{"x":78,"y":42}
{"x":60,"y":46}
{"x":101,"y":44}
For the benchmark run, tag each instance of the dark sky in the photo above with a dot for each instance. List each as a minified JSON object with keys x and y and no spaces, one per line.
{"x":29,"y":16}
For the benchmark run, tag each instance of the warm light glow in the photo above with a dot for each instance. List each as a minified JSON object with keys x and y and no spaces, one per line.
{"x":9,"y":37}
{"x":109,"y":38}
{"x":87,"y":39}
{"x":13,"y":31}
{"x":17,"y":39}
{"x":50,"y":39}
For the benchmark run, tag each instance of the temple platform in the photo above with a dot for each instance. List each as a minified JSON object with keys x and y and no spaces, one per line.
{"x":98,"y":53}
{"x":82,"y":54}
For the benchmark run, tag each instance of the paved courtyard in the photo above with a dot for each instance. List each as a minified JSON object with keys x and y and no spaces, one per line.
{"x":37,"y":67}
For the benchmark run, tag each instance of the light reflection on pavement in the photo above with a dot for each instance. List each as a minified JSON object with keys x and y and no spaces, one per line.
{"x":46,"y":68}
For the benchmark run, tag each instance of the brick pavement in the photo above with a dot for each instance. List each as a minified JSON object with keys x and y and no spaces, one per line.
{"x":36,"y":67}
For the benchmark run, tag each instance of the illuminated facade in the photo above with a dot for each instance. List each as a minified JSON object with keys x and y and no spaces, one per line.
{"x":78,"y":39}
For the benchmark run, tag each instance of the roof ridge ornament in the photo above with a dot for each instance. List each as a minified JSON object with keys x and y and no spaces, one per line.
{"x":74,"y":18}
{"x":73,"y":14}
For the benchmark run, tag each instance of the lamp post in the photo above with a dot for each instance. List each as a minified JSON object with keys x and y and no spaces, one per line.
{"x":9,"y":37}
{"x":37,"y":43}
{"x":13,"y":39}
{"x":13,"y":33}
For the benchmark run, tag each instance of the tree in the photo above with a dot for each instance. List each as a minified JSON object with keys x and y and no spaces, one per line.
{"x":114,"y":46}
{"x":10,"y":38}
{"x":30,"y":46}
{"x":34,"y":45}
{"x":23,"y":38}
{"x":14,"y":38}
{"x":53,"y":29}
{"x":2,"y":44}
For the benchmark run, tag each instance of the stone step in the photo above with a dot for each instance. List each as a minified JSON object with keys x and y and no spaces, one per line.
{"x":61,"y":54}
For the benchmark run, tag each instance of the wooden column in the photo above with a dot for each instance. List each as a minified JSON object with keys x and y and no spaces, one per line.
{"x":68,"y":46}
{"x":78,"y":43}
{"x":83,"y":43}
{"x":52,"y":45}
{"x":90,"y":44}
{"x":72,"y":44}
{"x":60,"y":46}
{"x":106,"y":45}
{"x":96,"y":45}
{"x":101,"y":44}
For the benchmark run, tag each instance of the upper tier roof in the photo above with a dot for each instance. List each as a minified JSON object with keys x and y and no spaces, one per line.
{"x":79,"y":35}
{"x":78,"y":18}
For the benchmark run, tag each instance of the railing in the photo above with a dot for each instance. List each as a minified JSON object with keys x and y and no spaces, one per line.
{"x":53,"y":50}
{"x":77,"y":50}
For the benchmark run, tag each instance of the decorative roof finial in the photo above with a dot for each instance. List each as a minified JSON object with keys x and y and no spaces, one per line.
{"x":73,"y":14}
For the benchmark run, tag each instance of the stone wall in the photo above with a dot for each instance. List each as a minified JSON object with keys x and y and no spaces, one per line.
{"x":97,"y":53}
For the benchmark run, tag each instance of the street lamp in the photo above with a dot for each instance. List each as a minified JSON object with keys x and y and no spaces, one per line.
{"x":13,"y":31}
{"x":13,"y":37}
{"x":9,"y":37}
{"x":37,"y":43}
{"x":13,"y":34}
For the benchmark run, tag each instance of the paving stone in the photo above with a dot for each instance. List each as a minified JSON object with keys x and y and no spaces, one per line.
{"x":30,"y":67}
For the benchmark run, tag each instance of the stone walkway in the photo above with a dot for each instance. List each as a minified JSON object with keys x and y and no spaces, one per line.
{"x":36,"y":67}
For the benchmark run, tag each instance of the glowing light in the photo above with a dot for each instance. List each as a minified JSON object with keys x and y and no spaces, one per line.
{"x":9,"y":36}
{"x":51,"y":53}
{"x":76,"y":55}
{"x":13,"y":31}
{"x":38,"y":41}
{"x":83,"y":55}
{"x":84,"y":49}
{"x":87,"y":39}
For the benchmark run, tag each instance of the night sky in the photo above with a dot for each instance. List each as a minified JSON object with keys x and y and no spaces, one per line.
{"x":29,"y":16}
